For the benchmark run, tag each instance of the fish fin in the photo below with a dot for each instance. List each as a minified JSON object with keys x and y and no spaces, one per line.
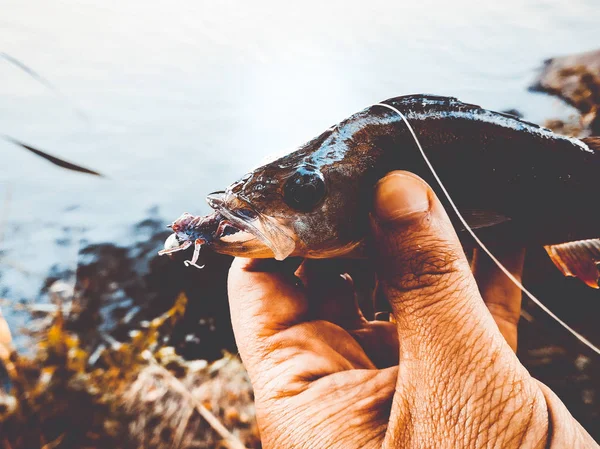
{"x":593,"y":143}
{"x":478,"y":219}
{"x":579,"y":259}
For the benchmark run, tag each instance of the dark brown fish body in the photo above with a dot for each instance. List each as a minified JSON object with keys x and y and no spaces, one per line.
{"x":510,"y":180}
{"x":496,"y":166}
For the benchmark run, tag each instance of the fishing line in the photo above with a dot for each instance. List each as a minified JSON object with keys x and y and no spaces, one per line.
{"x":530,"y":295}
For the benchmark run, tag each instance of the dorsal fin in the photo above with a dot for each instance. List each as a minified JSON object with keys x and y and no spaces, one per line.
{"x":478,"y":219}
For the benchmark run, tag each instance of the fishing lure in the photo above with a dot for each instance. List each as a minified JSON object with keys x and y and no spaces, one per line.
{"x":195,"y":230}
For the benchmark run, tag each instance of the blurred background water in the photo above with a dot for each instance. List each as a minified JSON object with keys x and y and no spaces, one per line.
{"x":174,"y":100}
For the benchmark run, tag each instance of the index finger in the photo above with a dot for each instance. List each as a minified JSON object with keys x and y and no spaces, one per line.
{"x":264,"y":298}
{"x":500,"y":294}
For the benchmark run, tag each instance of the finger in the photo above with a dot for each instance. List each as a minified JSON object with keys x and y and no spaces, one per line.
{"x":500,"y":294}
{"x":365,"y":282}
{"x":332,"y":298}
{"x":451,"y":351}
{"x":264,"y":299}
{"x":379,"y":340}
{"x":424,"y":273}
{"x":330,"y":292}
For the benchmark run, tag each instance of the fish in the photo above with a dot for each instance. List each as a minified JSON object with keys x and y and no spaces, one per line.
{"x":511,"y":180}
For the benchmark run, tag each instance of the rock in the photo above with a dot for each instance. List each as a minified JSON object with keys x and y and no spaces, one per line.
{"x":576,"y":80}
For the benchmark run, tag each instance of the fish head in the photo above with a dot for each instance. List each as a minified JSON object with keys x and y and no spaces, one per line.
{"x":313,"y":202}
{"x":274,"y":207}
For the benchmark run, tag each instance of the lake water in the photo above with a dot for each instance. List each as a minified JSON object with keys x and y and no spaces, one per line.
{"x":174,"y":100}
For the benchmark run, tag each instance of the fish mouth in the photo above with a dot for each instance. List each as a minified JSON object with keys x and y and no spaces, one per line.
{"x":256,"y":234}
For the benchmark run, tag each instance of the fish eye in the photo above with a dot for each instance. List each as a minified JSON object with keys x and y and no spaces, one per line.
{"x":304,"y":190}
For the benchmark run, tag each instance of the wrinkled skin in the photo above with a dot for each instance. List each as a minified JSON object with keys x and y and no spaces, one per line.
{"x":444,"y":374}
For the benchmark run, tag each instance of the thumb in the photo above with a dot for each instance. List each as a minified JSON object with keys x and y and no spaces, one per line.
{"x":423,"y":270}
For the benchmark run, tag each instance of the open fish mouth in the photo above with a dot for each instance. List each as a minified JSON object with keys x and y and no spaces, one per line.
{"x":213,"y":230}
{"x":235,"y":228}
{"x":254,"y":234}
{"x":188,"y":230}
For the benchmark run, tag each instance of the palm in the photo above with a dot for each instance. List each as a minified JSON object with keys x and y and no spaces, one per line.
{"x":322,"y":373}
{"x":327,"y":362}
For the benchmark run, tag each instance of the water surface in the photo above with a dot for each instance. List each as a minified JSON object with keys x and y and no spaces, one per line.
{"x":179,"y":99}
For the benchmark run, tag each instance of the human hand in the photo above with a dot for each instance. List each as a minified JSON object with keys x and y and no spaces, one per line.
{"x":444,"y":374}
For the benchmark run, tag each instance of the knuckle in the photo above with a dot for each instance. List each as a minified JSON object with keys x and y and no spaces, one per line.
{"x":423,"y":263}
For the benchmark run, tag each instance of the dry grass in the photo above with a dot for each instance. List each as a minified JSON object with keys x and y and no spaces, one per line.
{"x":137,"y":394}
